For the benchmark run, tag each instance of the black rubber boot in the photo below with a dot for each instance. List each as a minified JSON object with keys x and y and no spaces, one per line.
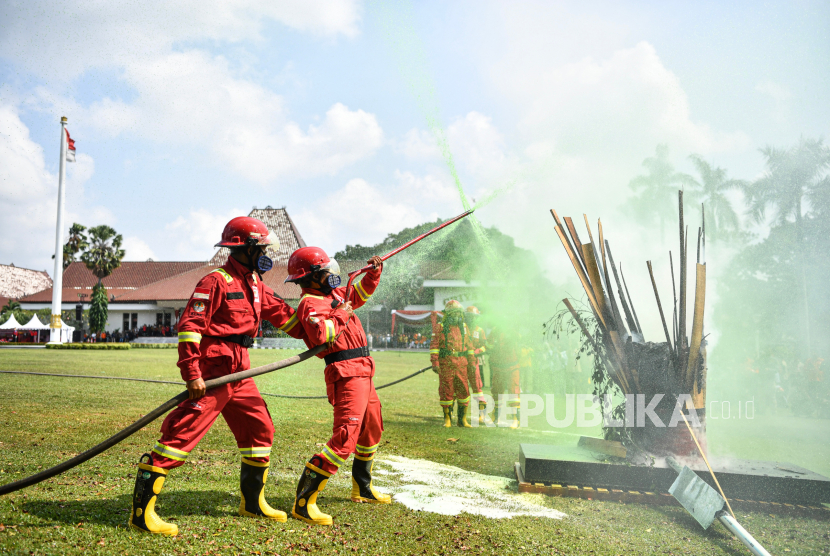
{"x":362,"y":489}
{"x":252,"y":481}
{"x":312,"y":482}
{"x":148,"y":483}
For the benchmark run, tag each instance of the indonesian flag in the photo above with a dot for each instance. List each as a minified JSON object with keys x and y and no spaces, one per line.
{"x":70,"y":147}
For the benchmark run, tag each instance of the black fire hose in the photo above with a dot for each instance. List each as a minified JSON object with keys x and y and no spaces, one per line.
{"x":152,"y":416}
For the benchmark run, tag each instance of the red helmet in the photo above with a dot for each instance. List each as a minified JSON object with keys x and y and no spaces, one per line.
{"x":244,"y":230}
{"x":306,"y":260}
{"x":472,"y":309}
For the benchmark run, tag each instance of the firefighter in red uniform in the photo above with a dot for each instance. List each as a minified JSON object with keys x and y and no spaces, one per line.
{"x":453,"y":358}
{"x":215,"y":330}
{"x":479,"y":341}
{"x":327,"y":317}
{"x":504,"y":366}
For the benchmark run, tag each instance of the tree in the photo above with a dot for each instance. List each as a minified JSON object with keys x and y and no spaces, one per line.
{"x":102,"y":257}
{"x":711,"y":190}
{"x":11,"y":308}
{"x":76,"y":244}
{"x":656,"y":191}
{"x":794,"y":178}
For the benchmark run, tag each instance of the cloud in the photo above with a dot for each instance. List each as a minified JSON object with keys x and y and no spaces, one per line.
{"x":780,"y":96}
{"x":182,"y":95}
{"x":64,"y":39}
{"x":358,"y":213}
{"x":29,"y":192}
{"x":136,"y":249}
{"x":193,"y":237}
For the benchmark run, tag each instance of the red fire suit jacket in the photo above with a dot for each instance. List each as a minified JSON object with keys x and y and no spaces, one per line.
{"x":322,"y":324}
{"x":504,"y":357}
{"x":455,"y":344}
{"x":229,"y":300}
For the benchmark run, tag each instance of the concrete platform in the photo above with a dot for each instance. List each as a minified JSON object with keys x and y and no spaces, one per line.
{"x":579,"y":466}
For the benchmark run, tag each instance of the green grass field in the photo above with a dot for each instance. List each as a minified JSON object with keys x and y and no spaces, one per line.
{"x":46,"y":420}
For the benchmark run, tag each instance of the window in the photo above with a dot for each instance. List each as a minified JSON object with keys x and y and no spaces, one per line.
{"x":134,"y":320}
{"x":159,"y":318}
{"x":125,"y":323}
{"x":167,"y":319}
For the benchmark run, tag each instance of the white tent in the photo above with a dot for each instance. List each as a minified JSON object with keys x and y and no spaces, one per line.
{"x":34,"y":324}
{"x":10,"y":324}
{"x":66,"y":332}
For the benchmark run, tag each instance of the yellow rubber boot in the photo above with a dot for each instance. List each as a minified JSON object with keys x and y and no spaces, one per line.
{"x":312,"y":482}
{"x":362,"y":489}
{"x":148,"y":483}
{"x":515,"y":423}
{"x":252,"y":481}
{"x":462,"y":416}
{"x":447,"y":415}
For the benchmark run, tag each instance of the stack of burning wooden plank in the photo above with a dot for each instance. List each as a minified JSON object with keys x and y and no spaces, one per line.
{"x":671,"y":368}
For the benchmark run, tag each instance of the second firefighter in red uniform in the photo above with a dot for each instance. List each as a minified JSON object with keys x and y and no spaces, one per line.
{"x":453,"y":358}
{"x":326,"y":314}
{"x":215,"y":331}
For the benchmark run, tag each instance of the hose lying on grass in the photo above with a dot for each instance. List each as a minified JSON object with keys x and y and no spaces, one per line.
{"x":164,"y":408}
{"x":152,"y":416}
{"x":407,"y":377}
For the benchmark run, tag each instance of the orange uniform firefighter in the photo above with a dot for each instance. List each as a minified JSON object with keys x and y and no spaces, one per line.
{"x":504,"y":366}
{"x":327,"y":317}
{"x":479,"y":341}
{"x":216,"y":328}
{"x":453,"y":358}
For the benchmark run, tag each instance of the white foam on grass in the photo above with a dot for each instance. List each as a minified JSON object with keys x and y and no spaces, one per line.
{"x":443,"y":489}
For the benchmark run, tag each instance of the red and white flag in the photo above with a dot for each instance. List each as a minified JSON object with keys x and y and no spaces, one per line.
{"x":70,"y":147}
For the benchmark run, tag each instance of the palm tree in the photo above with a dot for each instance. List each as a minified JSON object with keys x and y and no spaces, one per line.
{"x":712,"y":189}
{"x":102,"y":257}
{"x":76,"y":243}
{"x":12,"y":307}
{"x":656,"y":191}
{"x":794,"y":179}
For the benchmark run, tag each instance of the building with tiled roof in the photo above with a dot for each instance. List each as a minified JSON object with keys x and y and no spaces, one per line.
{"x":154,"y":292}
{"x":16,"y":282}
{"x":278,"y":222}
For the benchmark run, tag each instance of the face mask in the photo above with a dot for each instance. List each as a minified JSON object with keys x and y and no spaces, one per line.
{"x":264,"y":263}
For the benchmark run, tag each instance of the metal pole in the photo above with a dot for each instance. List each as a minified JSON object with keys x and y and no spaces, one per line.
{"x":743,"y":535}
{"x":57,"y":279}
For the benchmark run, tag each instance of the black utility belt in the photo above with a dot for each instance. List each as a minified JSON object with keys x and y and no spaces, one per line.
{"x":346,"y":354}
{"x":241,"y":339}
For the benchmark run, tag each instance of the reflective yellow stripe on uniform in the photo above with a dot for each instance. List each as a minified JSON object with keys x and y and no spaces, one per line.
{"x":464,"y":401}
{"x":255,"y":452}
{"x":471,"y":352}
{"x":331,"y":456}
{"x":362,"y":292}
{"x":435,"y":351}
{"x":449,"y":403}
{"x":290,"y":323}
{"x":329,"y":330}
{"x":224,"y":274}
{"x":170,"y":453}
{"x":311,"y":296}
{"x":190,"y":337}
{"x":367,"y":449}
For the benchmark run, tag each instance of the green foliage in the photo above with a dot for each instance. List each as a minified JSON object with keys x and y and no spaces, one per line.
{"x":104,"y":253}
{"x":76,"y":244}
{"x":155,"y":346}
{"x":98,"y":309}
{"x":721,"y":218}
{"x":109,"y":345}
{"x":510,"y":277}
{"x":655,"y":193}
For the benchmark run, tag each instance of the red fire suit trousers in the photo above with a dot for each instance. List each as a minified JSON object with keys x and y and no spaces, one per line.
{"x":244,"y":411}
{"x":474,"y":380}
{"x":506,"y":381}
{"x":358,"y":422}
{"x":452,"y":381}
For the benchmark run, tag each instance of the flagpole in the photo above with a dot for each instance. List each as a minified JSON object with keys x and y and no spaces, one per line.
{"x":57,"y":279}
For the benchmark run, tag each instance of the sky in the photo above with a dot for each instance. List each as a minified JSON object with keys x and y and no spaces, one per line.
{"x":186,"y":114}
